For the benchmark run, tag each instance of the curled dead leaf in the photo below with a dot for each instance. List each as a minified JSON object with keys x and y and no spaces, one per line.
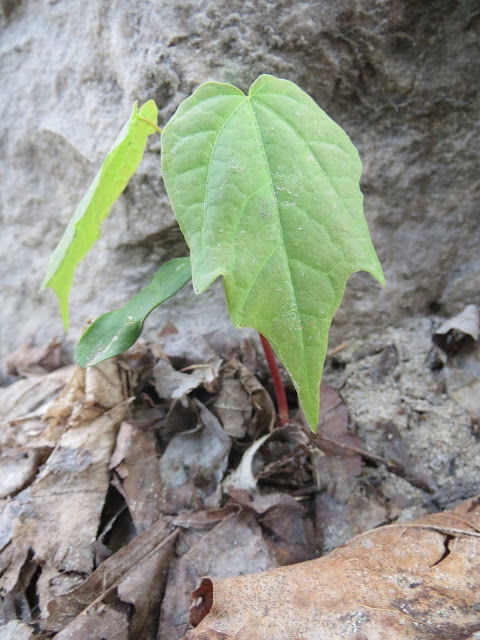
{"x":458,"y":338}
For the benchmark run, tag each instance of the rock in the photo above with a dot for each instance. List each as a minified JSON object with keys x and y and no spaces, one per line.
{"x":400,"y":77}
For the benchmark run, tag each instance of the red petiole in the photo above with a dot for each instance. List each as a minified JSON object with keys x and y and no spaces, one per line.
{"x":277,"y":381}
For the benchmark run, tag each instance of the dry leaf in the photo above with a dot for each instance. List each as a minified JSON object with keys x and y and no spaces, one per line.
{"x":400,"y":582}
{"x":137,"y":476}
{"x":286,"y":529}
{"x":234,"y":546}
{"x":459,"y":331}
{"x":196,"y":459}
{"x":276,"y":459}
{"x":243,"y":404}
{"x":205,"y":519}
{"x":57,"y":516}
{"x":154,"y":543}
{"x":458,"y":338}
{"x":172,"y":384}
{"x":28,"y":360}
{"x":16,"y":630}
{"x":334,"y":436}
{"x":29,"y":398}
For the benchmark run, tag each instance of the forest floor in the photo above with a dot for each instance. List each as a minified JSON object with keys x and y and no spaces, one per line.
{"x":124,"y":485}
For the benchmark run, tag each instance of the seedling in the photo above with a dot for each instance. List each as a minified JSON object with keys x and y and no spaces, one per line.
{"x":265,"y":188}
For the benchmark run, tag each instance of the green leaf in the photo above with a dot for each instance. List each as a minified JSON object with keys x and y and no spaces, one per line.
{"x":265,"y":188}
{"x":116,"y":331}
{"x":84,"y":227}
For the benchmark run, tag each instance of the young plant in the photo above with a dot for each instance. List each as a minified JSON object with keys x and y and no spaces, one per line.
{"x":265,"y":188}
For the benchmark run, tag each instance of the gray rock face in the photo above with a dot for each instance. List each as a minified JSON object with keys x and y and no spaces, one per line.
{"x":401,"y":77}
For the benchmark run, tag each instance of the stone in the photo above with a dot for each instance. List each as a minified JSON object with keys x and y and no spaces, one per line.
{"x":401,"y":77}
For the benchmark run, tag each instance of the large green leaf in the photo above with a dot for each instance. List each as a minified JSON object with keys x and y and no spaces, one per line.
{"x":115,"y":332}
{"x":84,"y":227}
{"x":265,"y":188}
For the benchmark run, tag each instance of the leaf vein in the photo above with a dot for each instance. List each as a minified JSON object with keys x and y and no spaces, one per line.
{"x":294,"y":296}
{"x":302,"y":139}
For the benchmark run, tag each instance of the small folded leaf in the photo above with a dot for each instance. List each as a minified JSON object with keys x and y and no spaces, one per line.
{"x":84,"y":227}
{"x":265,"y":188}
{"x":116,"y":331}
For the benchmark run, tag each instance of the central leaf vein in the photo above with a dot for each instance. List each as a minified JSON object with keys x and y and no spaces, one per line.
{"x":290,"y":280}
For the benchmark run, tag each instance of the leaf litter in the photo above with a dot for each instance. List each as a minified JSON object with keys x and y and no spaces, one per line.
{"x":125,"y":484}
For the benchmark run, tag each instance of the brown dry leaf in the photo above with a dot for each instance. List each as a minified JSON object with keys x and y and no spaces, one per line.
{"x":459,"y":331}
{"x":15,"y":583}
{"x":334,"y":436}
{"x":277,"y":459}
{"x":205,"y":519}
{"x":16,"y":630}
{"x":28,"y":360}
{"x":101,"y":606}
{"x":235,"y":546}
{"x":286,"y":529}
{"x":26,"y":439}
{"x":137,"y":476}
{"x":194,"y":462}
{"x":458,"y":338}
{"x":58,"y":514}
{"x":400,"y":582}
{"x":29,"y":399}
{"x":172,"y":384}
{"x":243,"y":404}
{"x":18,"y":468}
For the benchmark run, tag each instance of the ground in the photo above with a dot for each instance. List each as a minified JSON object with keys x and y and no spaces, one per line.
{"x":124,"y":485}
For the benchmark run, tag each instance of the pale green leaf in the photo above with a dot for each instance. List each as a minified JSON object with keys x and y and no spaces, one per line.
{"x":116,"y":331}
{"x":84,"y":227}
{"x":265,"y":188}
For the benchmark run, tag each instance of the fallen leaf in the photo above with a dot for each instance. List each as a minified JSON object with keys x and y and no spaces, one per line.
{"x":243,"y":404}
{"x":286,"y":529}
{"x":458,"y":338}
{"x":459,"y":331}
{"x":205,"y":519}
{"x":135,"y":462}
{"x":19,"y":467}
{"x":29,"y":360}
{"x":399,"y":582}
{"x":234,"y":546}
{"x":276,"y":459}
{"x":15,"y":584}
{"x":171,"y":384}
{"x":233,"y":407}
{"x":16,"y":630}
{"x":334,"y":436}
{"x":57,"y":515}
{"x":197,"y":458}
{"x":149,"y":548}
{"x":29,"y":398}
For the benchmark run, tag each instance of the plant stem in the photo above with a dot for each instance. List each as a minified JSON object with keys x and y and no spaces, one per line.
{"x":277,"y":381}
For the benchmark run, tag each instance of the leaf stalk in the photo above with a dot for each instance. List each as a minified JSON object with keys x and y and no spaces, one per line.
{"x":277,"y":381}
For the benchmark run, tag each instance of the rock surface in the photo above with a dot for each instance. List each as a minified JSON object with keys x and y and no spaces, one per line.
{"x":401,"y":77}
